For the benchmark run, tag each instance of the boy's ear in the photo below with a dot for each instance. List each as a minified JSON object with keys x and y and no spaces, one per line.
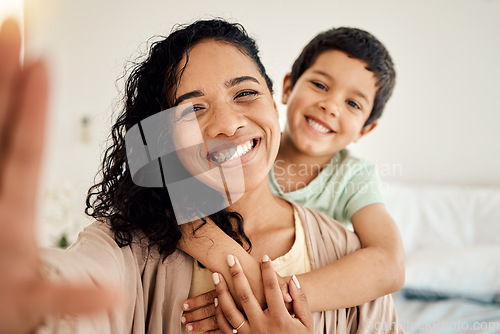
{"x":366,"y":129}
{"x":286,"y":89}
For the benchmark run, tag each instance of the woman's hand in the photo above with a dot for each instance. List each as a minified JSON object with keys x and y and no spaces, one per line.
{"x":25,"y":298}
{"x":275,"y":319}
{"x":199,"y":311}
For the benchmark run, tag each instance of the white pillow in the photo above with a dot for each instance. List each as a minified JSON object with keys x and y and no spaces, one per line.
{"x":449,"y":272}
{"x":454,"y":216}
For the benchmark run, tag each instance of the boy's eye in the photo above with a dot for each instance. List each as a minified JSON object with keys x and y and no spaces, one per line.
{"x":319,"y":85}
{"x":353,"y":104}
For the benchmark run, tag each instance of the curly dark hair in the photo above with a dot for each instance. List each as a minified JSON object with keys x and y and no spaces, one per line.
{"x":150,"y":88}
{"x":358,"y":44}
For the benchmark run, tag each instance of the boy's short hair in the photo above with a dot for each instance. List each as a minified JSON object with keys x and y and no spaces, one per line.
{"x":358,"y":44}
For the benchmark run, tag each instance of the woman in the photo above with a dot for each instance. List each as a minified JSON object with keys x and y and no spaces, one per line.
{"x":211,"y":69}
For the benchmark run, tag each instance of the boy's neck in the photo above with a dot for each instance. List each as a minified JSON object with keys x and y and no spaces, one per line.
{"x":297,"y":168}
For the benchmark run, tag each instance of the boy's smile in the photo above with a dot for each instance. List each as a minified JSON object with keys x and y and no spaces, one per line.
{"x":329,"y":104}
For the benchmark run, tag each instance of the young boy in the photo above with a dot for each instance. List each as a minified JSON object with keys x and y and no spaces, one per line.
{"x":335,"y":93}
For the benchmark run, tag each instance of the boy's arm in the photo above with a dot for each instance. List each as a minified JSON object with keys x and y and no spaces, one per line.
{"x":364,"y":275}
{"x":375,"y":270}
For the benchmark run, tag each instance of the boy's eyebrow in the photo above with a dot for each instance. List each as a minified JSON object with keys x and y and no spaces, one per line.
{"x":361,"y":95}
{"x":190,"y":95}
{"x":322,"y":73}
{"x":237,"y":80}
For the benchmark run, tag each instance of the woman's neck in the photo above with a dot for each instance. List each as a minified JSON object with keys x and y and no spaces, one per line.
{"x":268,"y":222}
{"x":260,"y":205}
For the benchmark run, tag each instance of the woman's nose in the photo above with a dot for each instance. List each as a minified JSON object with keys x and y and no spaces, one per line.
{"x":225,"y":121}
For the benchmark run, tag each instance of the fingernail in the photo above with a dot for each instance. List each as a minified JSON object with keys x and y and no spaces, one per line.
{"x":216,"y":278}
{"x":185,"y":306}
{"x":183,"y":320}
{"x":230,"y":260}
{"x":216,"y":301}
{"x":189,"y":328}
{"x":265,"y":258}
{"x":296,"y":281}
{"x":10,"y":26}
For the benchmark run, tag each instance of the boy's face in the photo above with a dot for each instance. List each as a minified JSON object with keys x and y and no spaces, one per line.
{"x":329,"y":104}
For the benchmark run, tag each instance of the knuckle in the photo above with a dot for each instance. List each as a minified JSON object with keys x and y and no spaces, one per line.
{"x":208,"y":298}
{"x":269,"y":284}
{"x":235,"y":273}
{"x":207,"y":312}
{"x":228,"y":316}
{"x":215,"y":324}
{"x":245,"y":297}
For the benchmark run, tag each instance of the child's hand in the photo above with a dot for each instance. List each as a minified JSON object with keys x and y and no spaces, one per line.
{"x":199,"y":313}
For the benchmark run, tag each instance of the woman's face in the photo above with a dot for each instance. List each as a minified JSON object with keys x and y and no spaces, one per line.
{"x":226,"y":129}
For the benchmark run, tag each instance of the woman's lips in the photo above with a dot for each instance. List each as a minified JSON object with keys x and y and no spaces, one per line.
{"x":228,"y":154}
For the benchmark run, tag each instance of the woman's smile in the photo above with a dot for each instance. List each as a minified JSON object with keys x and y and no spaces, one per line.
{"x":224,"y":153}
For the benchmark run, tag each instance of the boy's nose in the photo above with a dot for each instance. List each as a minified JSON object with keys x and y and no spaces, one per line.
{"x":225,"y":121}
{"x":330,"y":107}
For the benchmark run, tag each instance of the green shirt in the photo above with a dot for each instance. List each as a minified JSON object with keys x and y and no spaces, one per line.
{"x":344,"y":185}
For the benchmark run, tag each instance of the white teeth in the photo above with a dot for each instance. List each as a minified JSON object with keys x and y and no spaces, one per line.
{"x":316,"y":126}
{"x":233,"y":153}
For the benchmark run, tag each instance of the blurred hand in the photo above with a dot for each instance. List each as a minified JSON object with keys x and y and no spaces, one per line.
{"x":275,"y":319}
{"x":25,"y":298}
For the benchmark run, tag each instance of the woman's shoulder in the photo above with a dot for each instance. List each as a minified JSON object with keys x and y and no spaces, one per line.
{"x":327,"y":239}
{"x":312,"y":218}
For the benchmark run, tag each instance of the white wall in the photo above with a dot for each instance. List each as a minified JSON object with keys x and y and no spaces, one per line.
{"x":439,"y":127}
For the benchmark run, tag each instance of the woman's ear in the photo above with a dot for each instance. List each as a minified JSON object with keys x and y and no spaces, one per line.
{"x":287,"y":89}
{"x":365,"y":130}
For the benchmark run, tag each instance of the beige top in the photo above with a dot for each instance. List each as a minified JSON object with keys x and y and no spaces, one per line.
{"x":156,"y":288}
{"x":294,"y":262}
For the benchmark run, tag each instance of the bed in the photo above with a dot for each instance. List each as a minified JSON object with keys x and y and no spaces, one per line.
{"x":452,"y":243}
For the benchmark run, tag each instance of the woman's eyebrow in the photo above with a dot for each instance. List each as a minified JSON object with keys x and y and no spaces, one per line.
{"x":190,"y":95}
{"x":230,"y":83}
{"x":237,"y":80}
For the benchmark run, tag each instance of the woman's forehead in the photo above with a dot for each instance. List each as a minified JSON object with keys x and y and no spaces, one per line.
{"x":214,"y":63}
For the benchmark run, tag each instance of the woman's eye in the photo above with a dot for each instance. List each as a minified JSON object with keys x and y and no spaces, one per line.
{"x":319,"y":85}
{"x":246,"y":94}
{"x":190,"y":110}
{"x":353,"y":104}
